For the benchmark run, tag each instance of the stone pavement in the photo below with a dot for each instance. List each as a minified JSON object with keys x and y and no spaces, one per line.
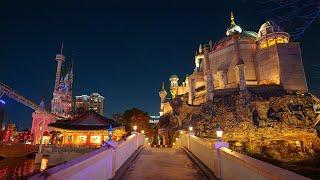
{"x":164,"y":164}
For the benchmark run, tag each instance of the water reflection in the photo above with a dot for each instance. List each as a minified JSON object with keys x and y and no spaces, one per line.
{"x":44,"y":164}
{"x":20,"y":168}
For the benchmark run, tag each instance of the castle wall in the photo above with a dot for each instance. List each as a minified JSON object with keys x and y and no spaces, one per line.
{"x":225,"y":60}
{"x":291,"y":67}
{"x":268,"y":66}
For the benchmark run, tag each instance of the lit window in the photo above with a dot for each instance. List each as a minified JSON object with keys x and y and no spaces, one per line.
{"x":95,"y":139}
{"x":82,"y":139}
{"x":263,"y":45}
{"x":69,"y":139}
{"x":280,"y":40}
{"x":286,"y":40}
{"x":271,"y":42}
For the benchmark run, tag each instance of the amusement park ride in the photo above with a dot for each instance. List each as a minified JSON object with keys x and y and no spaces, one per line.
{"x":61,"y":103}
{"x":13,"y":94}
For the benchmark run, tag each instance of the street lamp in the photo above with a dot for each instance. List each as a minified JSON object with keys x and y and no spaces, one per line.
{"x":190,"y":128}
{"x":142,"y":131}
{"x":219,"y":133}
{"x":135,"y":128}
{"x":110,"y":132}
{"x":181,"y":132}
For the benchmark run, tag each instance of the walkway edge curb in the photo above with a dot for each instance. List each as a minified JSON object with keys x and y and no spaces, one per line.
{"x":210,"y":175}
{"x":122,"y":170}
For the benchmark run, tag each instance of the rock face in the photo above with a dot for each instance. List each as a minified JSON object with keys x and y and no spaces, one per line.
{"x":280,"y":127}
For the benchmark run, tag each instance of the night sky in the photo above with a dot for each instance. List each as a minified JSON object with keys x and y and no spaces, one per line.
{"x":123,"y":49}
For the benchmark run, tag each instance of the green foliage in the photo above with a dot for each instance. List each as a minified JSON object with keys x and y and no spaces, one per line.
{"x":136,"y":117}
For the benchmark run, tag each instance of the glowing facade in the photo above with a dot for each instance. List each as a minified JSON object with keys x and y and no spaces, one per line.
{"x":61,"y":103}
{"x":90,"y":128}
{"x":243,"y":60}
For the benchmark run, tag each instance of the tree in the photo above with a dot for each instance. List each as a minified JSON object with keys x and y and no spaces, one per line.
{"x":136,"y":117}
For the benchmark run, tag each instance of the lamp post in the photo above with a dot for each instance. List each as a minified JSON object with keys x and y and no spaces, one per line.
{"x":110,"y":132}
{"x":217,"y":146}
{"x":135,"y":128}
{"x":142,"y":131}
{"x":219,"y":133}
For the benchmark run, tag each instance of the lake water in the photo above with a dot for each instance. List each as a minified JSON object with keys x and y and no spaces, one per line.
{"x":20,"y":168}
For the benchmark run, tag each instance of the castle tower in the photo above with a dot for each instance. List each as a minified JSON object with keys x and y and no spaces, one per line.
{"x":198,"y":58}
{"x":174,"y":81}
{"x":207,"y":74}
{"x":163,"y":95}
{"x":61,"y":103}
{"x":60,"y":59}
{"x":234,"y":31}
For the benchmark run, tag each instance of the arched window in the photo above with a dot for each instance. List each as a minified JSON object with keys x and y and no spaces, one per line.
{"x":263,"y":44}
{"x":271,"y":42}
{"x":280,"y":40}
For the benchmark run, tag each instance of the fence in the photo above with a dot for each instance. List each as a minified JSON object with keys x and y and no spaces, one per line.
{"x":227,"y":164}
{"x":99,"y":164}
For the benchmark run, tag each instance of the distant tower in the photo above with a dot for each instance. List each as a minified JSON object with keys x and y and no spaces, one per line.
{"x":163,"y":95}
{"x":60,"y":59}
{"x":61,"y":103}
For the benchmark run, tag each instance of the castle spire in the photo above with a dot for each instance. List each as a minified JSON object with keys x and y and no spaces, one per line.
{"x":232,"y":19}
{"x":61,"y":48}
{"x":200,"y":49}
{"x":162,"y":85}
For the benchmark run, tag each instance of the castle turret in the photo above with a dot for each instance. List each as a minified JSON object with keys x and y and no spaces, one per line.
{"x":234,"y":28}
{"x":60,"y":59}
{"x":174,"y":81}
{"x":198,"y":58}
{"x":163,"y":95}
{"x":207,"y":74}
{"x":235,"y":31}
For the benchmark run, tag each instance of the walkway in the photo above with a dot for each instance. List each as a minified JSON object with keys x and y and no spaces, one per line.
{"x":164,"y":164}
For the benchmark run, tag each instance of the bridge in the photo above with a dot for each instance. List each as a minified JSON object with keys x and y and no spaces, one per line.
{"x":191,"y":158}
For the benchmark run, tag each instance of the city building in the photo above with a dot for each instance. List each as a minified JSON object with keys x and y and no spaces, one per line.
{"x":241,"y":61}
{"x":93,"y":102}
{"x":154,"y":119}
{"x":90,"y":128}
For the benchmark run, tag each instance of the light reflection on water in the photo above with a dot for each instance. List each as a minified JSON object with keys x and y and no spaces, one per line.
{"x":44,"y":164}
{"x":20,"y":168}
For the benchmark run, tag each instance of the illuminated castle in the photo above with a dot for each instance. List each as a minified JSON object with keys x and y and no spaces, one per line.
{"x":241,"y":61}
{"x":61,"y":103}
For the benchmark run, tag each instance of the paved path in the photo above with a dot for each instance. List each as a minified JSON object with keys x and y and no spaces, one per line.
{"x":163,"y":163}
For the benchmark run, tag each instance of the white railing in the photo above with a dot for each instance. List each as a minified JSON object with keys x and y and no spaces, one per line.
{"x":227,"y":164}
{"x":99,"y":164}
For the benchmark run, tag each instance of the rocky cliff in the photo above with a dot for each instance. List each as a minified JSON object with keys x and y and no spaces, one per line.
{"x":280,"y":127}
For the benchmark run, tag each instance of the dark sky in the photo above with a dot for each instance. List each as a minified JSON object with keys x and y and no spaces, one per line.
{"x":123,"y":49}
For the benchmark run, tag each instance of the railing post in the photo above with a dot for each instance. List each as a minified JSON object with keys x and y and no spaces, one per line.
{"x":114,"y":162}
{"x":217,"y":147}
{"x":189,"y":138}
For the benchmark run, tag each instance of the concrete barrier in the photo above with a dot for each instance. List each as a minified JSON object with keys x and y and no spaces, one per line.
{"x":226,"y":164}
{"x":99,"y":164}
